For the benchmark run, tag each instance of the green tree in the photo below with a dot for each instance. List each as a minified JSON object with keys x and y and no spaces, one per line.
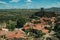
{"x":57,"y":30}
{"x":11,"y":27}
{"x":20,"y":22}
{"x":39,"y":34}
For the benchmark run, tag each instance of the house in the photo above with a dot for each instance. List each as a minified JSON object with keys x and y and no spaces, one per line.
{"x":39,"y":26}
{"x":15,"y":34}
{"x":5,"y":29}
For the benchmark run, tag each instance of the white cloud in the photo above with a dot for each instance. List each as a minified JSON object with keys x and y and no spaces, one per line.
{"x":14,"y":0}
{"x":29,"y":0}
{"x":1,"y":2}
{"x":58,"y":3}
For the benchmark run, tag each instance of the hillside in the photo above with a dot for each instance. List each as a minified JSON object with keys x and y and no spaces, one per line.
{"x":15,"y":13}
{"x":55,"y":9}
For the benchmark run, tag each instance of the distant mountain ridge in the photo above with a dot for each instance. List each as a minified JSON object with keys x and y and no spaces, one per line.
{"x":55,"y":9}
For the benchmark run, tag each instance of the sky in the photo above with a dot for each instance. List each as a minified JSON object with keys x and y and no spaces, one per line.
{"x":28,"y":4}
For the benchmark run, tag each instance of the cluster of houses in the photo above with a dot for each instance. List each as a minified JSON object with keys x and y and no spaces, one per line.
{"x":43,"y":23}
{"x":8,"y":35}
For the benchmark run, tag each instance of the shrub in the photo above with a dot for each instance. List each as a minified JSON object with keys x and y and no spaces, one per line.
{"x":11,"y":27}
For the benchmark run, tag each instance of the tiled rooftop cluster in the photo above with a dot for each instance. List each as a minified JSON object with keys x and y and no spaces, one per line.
{"x":17,"y":33}
{"x":40,"y":24}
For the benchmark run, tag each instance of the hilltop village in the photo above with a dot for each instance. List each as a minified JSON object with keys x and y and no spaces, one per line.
{"x":43,"y":25}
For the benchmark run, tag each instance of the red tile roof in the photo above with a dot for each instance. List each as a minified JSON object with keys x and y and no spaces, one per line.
{"x":45,"y":31}
{"x":38,"y":27}
{"x":15,"y":34}
{"x":2,"y":32}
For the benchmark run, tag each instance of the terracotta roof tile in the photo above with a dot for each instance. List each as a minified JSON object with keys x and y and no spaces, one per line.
{"x":45,"y":31}
{"x":15,"y":34}
{"x":2,"y":32}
